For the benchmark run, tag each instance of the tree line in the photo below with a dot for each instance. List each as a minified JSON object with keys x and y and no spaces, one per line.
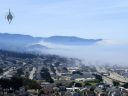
{"x":15,"y":83}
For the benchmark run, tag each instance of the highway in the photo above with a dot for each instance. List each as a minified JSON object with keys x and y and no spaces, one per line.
{"x":113,"y":76}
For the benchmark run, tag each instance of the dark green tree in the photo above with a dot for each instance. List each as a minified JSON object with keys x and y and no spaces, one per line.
{"x":46,"y":75}
{"x":125,"y":85}
{"x":30,"y":84}
{"x":77,"y":72}
{"x":19,"y":72}
{"x":98,"y":77}
{"x":16,"y":83}
{"x":78,"y":85}
{"x":5,"y":84}
{"x":116,"y":83}
{"x":1,"y":71}
{"x":87,"y":84}
{"x":52,"y":69}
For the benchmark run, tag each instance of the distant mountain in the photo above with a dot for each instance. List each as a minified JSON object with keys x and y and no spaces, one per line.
{"x":17,"y":38}
{"x":17,"y":42}
{"x":71,"y":40}
{"x":37,"y":47}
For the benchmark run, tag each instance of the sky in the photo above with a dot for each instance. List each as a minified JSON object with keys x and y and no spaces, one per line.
{"x":106,"y":19}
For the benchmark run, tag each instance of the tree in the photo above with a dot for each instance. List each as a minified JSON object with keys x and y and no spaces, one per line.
{"x":1,"y":71}
{"x":57,"y":64}
{"x":71,"y":84}
{"x":16,"y":83}
{"x":87,"y":84}
{"x":58,"y":84}
{"x":31,"y":84}
{"x":65,"y":69}
{"x":27,"y":74}
{"x":53,"y":69}
{"x":125,"y":85}
{"x":46,"y":75}
{"x":92,"y":89}
{"x":115,"y":83}
{"x":20,"y":71}
{"x":98,"y":77}
{"x":41,"y":93}
{"x":78,"y":85}
{"x":51,"y":80}
{"x":5,"y":84}
{"x":77,"y":72}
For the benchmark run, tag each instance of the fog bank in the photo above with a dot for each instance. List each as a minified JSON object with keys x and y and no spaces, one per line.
{"x":101,"y":53}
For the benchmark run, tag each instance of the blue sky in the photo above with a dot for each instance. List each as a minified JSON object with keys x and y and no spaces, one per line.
{"x":107,"y":19}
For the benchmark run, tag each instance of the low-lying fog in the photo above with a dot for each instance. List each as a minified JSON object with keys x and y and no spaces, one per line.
{"x":101,"y":53}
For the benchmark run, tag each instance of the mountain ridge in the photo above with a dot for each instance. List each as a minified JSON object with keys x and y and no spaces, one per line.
{"x":27,"y":42}
{"x":71,"y":40}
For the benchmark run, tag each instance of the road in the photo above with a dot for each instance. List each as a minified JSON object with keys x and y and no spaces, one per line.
{"x":105,"y":78}
{"x":6,"y":73}
{"x":38,"y":76}
{"x":118,"y":77}
{"x":57,"y":72}
{"x":31,"y":76}
{"x":113,"y":76}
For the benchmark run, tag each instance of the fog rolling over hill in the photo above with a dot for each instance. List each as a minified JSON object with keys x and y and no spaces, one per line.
{"x":70,"y":40}
{"x":92,"y":51}
{"x":102,"y":52}
{"x":19,"y":42}
{"x":96,"y":54}
{"x":16,"y":42}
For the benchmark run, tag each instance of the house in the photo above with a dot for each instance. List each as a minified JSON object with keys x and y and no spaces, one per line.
{"x":105,"y":73}
{"x":72,"y":69}
{"x":115,"y":92}
{"x":73,"y":89}
{"x":84,"y":77}
{"x":47,"y":87}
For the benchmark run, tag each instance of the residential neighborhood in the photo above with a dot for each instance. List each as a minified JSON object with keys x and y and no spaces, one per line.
{"x":52,"y":75}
